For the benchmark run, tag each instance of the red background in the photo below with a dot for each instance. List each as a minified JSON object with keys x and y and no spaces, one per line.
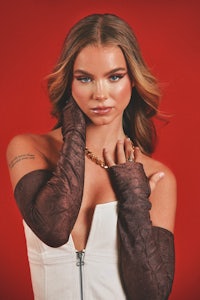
{"x":32,"y":32}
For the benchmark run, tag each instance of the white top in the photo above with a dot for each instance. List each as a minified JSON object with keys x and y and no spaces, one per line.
{"x":56,"y":272}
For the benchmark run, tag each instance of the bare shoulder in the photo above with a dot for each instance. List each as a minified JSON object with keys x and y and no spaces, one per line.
{"x":29,"y":152}
{"x":153,"y":166}
{"x":164,"y":196}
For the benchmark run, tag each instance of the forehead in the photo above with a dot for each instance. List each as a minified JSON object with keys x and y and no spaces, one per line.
{"x":100,"y":57}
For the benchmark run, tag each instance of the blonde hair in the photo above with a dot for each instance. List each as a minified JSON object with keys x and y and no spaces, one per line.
{"x":106,"y":29}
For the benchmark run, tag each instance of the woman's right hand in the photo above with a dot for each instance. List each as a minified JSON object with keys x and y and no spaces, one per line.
{"x":72,"y":118}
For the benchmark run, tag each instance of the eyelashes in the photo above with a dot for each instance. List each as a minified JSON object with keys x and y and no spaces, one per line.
{"x":116,"y":77}
{"x":112,"y":78}
{"x":84,"y":79}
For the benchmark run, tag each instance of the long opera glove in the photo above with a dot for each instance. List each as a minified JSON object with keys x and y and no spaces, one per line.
{"x":50,"y":202}
{"x":146,"y":253}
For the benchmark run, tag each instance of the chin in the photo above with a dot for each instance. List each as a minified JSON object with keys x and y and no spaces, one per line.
{"x":104,"y":120}
{"x":100,"y":121}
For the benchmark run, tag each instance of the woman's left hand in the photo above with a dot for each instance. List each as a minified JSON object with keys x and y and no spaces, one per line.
{"x":126,"y":152}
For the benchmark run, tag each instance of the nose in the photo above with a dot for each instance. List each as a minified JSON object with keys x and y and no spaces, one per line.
{"x":100,"y":91}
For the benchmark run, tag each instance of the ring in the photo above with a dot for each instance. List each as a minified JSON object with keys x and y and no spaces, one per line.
{"x":131,"y":156}
{"x":130,"y":159}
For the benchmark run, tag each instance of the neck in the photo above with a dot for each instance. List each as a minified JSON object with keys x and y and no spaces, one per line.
{"x":105,"y":136}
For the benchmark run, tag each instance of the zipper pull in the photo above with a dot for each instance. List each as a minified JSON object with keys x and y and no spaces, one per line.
{"x":80,"y":258}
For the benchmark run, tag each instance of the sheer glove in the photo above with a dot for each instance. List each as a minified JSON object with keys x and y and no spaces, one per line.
{"x":50,"y":203}
{"x":146,"y":253}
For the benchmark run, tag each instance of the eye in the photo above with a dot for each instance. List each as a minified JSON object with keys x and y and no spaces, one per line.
{"x":116,"y":77}
{"x":84,"y":79}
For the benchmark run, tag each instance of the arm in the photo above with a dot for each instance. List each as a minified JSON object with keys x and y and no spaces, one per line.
{"x":49,"y":203}
{"x":146,"y":252}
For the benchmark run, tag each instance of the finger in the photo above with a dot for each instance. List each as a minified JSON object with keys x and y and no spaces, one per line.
{"x":129,"y":149}
{"x":121,"y":157}
{"x":154,"y":179}
{"x":108,"y":158}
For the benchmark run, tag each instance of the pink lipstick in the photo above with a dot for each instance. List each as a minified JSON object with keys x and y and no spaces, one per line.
{"x":101,"y":110}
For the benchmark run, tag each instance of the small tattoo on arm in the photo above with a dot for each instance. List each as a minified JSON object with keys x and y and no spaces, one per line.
{"x":20,"y":158}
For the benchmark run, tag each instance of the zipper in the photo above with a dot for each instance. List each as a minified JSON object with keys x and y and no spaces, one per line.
{"x":80,"y":263}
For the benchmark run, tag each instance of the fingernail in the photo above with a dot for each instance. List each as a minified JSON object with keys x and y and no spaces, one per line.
{"x":161,"y":174}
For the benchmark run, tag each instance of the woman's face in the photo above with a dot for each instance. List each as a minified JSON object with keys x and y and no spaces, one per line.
{"x":101,"y":85}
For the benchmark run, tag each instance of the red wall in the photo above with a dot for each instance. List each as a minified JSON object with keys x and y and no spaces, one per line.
{"x":32,"y":32}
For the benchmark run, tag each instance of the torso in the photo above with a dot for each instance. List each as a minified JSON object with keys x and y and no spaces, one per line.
{"x":48,"y":146}
{"x":95,"y":178}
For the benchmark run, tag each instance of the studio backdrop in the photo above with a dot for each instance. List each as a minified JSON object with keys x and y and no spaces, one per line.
{"x":32,"y":33}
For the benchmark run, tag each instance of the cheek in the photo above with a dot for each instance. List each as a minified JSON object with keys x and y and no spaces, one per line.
{"x":79,"y":94}
{"x":123,"y":93}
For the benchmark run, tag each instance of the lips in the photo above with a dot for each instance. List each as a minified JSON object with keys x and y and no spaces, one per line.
{"x":101,"y":110}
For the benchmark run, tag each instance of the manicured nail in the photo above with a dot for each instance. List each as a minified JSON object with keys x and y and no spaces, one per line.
{"x":161,"y":174}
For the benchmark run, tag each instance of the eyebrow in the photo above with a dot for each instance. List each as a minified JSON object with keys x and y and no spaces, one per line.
{"x":83,"y":72}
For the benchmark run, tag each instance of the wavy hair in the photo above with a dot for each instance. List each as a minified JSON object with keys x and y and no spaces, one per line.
{"x":109,"y":29}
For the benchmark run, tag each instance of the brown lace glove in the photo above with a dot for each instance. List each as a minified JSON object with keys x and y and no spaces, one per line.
{"x":146,"y":253}
{"x":49,"y":203}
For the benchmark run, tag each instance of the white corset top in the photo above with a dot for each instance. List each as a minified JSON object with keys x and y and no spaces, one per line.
{"x":63,"y":273}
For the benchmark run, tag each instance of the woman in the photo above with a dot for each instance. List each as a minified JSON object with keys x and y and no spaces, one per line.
{"x":93,"y":229}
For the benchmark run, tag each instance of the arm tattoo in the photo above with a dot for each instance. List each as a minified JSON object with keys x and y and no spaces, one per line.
{"x":20,"y":158}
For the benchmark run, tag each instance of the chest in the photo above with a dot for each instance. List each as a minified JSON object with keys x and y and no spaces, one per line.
{"x":97,"y":185}
{"x":97,"y":190}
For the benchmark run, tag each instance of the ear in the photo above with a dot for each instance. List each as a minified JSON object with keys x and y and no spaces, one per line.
{"x":132,"y":84}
